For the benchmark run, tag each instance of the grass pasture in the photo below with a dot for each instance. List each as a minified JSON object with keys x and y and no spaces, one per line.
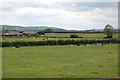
{"x":100,"y":61}
{"x":84,"y":35}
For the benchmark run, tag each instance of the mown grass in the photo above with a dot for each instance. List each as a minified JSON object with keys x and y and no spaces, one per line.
{"x":91,"y":61}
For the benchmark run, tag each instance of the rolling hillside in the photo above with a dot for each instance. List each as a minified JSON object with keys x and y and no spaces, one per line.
{"x":10,"y":27}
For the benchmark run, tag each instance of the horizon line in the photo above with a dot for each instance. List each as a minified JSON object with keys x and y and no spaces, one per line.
{"x":50,"y":26}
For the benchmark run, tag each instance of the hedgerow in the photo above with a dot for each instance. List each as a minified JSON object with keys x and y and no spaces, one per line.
{"x":57,"y":42}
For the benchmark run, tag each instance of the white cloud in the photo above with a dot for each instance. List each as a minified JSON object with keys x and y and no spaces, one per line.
{"x":61,"y":15}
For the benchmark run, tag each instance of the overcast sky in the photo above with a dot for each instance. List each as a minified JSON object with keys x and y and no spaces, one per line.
{"x":67,"y":15}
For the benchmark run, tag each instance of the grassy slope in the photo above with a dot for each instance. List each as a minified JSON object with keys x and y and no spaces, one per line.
{"x":61,"y":62}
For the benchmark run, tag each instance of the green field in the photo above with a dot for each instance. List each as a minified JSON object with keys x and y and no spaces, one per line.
{"x":84,"y":35}
{"x":91,"y":61}
{"x":58,"y":36}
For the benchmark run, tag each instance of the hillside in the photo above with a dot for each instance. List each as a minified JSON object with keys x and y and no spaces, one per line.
{"x":10,"y":27}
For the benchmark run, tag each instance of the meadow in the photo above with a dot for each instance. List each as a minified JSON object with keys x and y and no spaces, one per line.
{"x":50,"y":56}
{"x":92,"y":61}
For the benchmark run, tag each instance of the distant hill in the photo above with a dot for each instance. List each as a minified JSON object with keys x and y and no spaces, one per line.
{"x":10,"y":27}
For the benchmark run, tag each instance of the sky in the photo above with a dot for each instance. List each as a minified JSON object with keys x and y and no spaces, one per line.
{"x":71,"y":15}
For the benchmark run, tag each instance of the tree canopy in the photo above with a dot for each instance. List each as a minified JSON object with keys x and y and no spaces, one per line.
{"x":109,"y":31}
{"x":48,"y":30}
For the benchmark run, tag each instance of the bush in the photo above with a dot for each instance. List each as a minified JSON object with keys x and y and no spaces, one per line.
{"x":74,"y":36}
{"x":17,"y":46}
{"x":108,"y":37}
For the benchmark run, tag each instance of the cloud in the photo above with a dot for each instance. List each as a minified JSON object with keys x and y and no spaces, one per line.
{"x":68,"y":15}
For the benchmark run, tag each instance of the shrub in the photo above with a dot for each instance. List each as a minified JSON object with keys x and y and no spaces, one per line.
{"x":74,"y":36}
{"x":17,"y":46}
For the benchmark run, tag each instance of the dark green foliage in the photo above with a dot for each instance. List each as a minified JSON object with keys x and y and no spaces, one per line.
{"x":32,"y":35}
{"x":74,"y":36}
{"x":48,"y":30}
{"x":109,"y":31}
{"x":58,"y":42}
{"x":17,"y":46}
{"x":35,"y":34}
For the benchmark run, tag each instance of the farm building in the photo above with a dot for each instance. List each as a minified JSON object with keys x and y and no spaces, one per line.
{"x":18,"y":33}
{"x":32,"y":32}
{"x":10,"y":33}
{"x":29,"y":32}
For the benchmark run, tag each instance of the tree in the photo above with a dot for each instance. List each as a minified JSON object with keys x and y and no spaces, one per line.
{"x":109,"y":31}
{"x":48,"y":30}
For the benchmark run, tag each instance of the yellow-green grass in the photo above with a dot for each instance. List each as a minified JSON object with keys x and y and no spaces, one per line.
{"x":91,"y":61}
